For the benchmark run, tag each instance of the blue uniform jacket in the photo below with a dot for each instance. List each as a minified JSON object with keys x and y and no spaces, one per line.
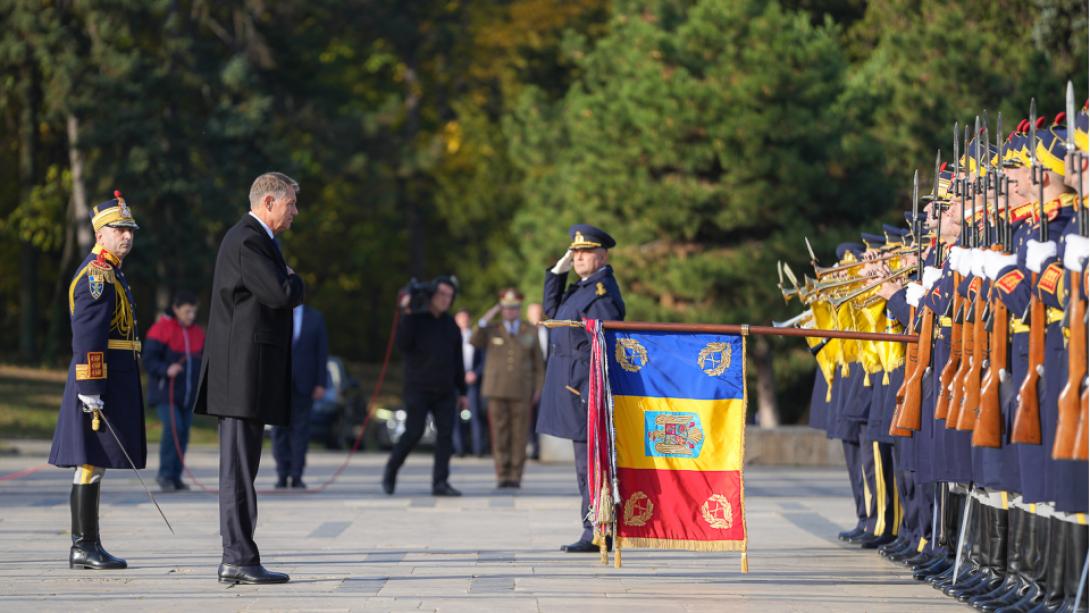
{"x":563,"y":409}
{"x":105,"y":347}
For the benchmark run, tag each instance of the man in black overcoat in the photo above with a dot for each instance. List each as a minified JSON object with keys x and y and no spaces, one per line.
{"x":246,"y":372}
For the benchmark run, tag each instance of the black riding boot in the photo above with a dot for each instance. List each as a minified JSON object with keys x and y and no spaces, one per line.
{"x":978,"y":549}
{"x":1016,"y":530}
{"x":1073,"y":563}
{"x":87,"y":551}
{"x":994,"y":560}
{"x":1050,"y":577}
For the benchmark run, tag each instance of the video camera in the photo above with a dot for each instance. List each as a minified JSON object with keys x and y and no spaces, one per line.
{"x":420,"y":292}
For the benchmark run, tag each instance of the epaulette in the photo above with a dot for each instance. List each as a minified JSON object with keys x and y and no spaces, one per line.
{"x":1051,"y":278}
{"x":103,"y":268}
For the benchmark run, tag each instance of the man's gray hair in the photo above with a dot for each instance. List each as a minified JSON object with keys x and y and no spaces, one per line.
{"x":277,"y":184}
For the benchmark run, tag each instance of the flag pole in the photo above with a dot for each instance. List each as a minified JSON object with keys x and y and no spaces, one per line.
{"x":742,"y":329}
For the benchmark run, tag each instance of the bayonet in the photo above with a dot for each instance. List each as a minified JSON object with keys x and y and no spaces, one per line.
{"x":1037,"y":172}
{"x":810,"y":249}
{"x":917,"y":224}
{"x":1070,"y":112}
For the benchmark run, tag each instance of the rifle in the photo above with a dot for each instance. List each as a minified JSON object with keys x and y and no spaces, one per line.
{"x":1072,"y":418}
{"x":1027,"y":419}
{"x":968,"y":237}
{"x":908,"y":414}
{"x":946,"y":377}
{"x":989,"y":426}
{"x":971,"y":399}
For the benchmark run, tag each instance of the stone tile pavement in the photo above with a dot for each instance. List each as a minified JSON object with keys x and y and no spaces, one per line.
{"x":351,"y":548}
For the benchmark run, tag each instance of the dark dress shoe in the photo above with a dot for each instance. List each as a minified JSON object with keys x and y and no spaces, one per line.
{"x":254,"y":574}
{"x":297,"y":483}
{"x":502,"y":485}
{"x":389,"y":481}
{"x":515,"y":485}
{"x":166,"y":485}
{"x":848,"y":535}
{"x":281,"y":483}
{"x":875,"y":542}
{"x":582,"y":546}
{"x":444,"y":489}
{"x":180,"y":485}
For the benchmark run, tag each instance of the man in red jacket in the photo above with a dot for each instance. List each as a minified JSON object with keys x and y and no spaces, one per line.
{"x":172,"y":359}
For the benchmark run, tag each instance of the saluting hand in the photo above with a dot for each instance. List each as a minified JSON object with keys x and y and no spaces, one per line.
{"x":491,"y":313}
{"x":563,"y":265}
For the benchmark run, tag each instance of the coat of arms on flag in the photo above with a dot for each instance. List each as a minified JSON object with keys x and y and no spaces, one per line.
{"x":666,"y":434}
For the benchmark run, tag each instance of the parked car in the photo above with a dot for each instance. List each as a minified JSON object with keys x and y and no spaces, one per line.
{"x":388,"y":424}
{"x":337,"y":416}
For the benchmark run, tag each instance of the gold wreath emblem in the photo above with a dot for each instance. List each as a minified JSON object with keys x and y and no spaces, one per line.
{"x":717,"y":512}
{"x":714,"y":359}
{"x":630,"y":354}
{"x":638,"y":509}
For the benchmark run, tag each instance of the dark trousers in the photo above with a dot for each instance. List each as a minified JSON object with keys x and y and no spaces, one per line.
{"x":240,"y":454}
{"x":535,"y":441}
{"x":580,"y":448}
{"x":476,"y":440}
{"x":170,"y":462}
{"x":853,"y":460}
{"x":418,"y":404}
{"x":290,"y":442}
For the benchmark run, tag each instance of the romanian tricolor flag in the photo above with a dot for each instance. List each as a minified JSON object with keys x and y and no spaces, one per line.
{"x":673,"y":408}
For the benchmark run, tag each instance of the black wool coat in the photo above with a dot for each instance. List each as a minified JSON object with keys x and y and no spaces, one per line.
{"x":246,"y":370}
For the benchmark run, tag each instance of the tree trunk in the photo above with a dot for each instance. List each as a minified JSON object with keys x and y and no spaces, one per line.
{"x":768,"y":412}
{"x":408,"y":188}
{"x":28,"y":176}
{"x":80,"y":210}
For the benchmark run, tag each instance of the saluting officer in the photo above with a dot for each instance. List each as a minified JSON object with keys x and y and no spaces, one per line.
{"x":103,"y":381}
{"x":513,"y":374}
{"x":563,"y":411}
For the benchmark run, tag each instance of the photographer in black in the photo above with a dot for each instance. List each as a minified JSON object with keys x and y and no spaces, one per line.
{"x":434,"y":377}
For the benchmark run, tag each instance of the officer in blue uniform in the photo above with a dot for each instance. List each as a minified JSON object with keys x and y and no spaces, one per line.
{"x":103,"y":381}
{"x":595,"y":295}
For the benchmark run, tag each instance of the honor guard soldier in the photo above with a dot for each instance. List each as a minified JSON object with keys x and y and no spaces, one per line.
{"x":103,"y":405}
{"x":563,"y":411}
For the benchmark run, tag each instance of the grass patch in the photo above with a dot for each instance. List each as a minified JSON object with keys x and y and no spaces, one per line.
{"x":30,"y":399}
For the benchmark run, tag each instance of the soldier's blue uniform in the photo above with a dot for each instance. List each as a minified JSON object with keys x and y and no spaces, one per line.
{"x":103,"y":380}
{"x":105,"y":348}
{"x":563,"y":408}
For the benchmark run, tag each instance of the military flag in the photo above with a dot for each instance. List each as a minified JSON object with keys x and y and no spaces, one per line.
{"x":666,"y":434}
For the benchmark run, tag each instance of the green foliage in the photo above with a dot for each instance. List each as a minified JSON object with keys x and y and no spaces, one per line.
{"x":433,"y":137}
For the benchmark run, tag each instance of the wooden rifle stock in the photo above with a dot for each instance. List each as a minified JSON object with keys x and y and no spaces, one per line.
{"x":957,"y":384}
{"x":1068,"y":405}
{"x":970,"y":403}
{"x":912,"y":354}
{"x":1027,"y":419}
{"x":909,"y":417}
{"x":946,"y":377}
{"x":989,"y":425}
{"x":1082,"y":450}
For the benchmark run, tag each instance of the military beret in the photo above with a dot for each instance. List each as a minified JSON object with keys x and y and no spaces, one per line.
{"x":584,"y":236}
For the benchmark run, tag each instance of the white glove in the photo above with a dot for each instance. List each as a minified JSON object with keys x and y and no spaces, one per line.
{"x":90,"y":401}
{"x":913,"y":292}
{"x":1037,"y":253}
{"x":930,"y":276}
{"x":995,"y":262}
{"x":563,"y":265}
{"x":976,"y":263}
{"x":1076,"y":251}
{"x":964,"y":262}
{"x":955,"y":257}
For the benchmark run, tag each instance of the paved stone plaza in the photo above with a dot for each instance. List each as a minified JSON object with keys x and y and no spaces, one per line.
{"x":353,"y":548}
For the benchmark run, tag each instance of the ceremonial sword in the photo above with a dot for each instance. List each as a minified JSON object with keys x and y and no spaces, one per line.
{"x":100,"y":414}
